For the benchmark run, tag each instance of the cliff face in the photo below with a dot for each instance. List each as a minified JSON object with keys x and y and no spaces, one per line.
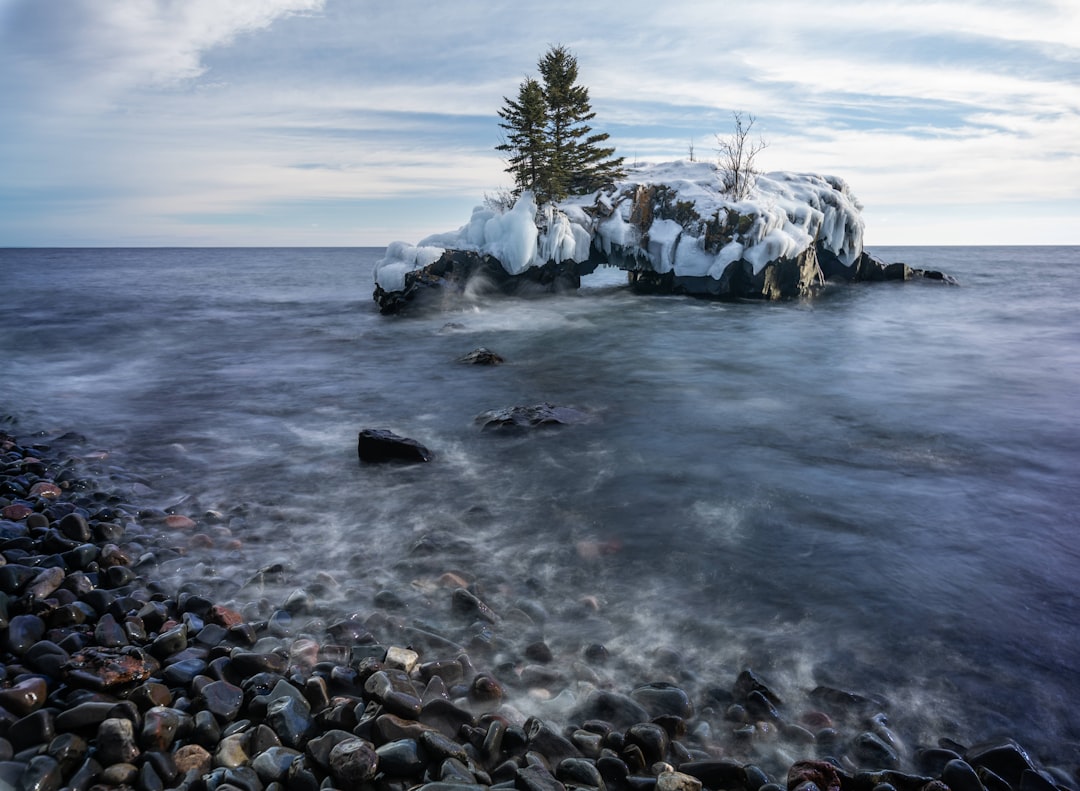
{"x":669,"y":226}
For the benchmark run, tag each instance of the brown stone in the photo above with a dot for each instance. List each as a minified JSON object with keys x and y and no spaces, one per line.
{"x":105,"y":668}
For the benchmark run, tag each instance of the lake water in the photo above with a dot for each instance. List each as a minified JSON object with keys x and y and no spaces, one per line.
{"x":875,"y":489}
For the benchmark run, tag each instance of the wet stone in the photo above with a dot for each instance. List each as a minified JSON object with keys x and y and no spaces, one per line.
{"x":159,"y":728}
{"x":401,"y":758}
{"x":34,"y":729}
{"x":319,"y":748}
{"x":536,"y":778}
{"x":677,"y":781}
{"x":231,"y":751}
{"x":25,"y":696}
{"x":353,"y":761}
{"x":870,"y":750}
{"x":660,"y":698}
{"x":222,"y":699}
{"x":42,"y":773}
{"x":273,"y":764}
{"x":116,"y":741}
{"x":290,"y":719}
{"x":192,"y":757}
{"x":23,"y":632}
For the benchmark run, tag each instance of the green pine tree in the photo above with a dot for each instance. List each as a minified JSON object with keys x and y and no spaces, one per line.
{"x":560,"y":156}
{"x":526,"y":124}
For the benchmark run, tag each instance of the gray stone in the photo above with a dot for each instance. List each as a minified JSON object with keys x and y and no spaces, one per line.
{"x":116,"y":741}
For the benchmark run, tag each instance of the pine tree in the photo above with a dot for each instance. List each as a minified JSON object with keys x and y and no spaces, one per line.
{"x":526,"y":124}
{"x":561,"y":156}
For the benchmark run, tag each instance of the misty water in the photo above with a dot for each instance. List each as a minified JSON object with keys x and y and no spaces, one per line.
{"x":875,"y":489}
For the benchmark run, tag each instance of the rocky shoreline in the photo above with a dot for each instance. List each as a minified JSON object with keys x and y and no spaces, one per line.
{"x":114,"y":677}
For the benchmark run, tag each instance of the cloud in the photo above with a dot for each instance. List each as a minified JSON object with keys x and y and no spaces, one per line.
{"x":79,"y":46}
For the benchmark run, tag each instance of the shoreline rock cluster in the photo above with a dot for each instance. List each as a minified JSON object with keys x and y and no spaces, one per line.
{"x":113,"y":679}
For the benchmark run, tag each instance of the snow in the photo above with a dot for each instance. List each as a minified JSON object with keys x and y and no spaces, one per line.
{"x":786,"y":213}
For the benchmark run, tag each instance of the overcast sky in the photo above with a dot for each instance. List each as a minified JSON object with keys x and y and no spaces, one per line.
{"x":353,"y":122}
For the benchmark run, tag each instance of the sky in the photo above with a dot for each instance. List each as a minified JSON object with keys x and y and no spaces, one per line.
{"x":358,"y":123}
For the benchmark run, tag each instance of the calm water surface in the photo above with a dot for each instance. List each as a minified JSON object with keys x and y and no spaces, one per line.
{"x":876,"y":489}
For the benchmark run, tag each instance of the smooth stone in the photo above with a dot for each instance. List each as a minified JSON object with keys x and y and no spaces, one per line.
{"x":151,"y":694}
{"x":481,"y":356}
{"x":821,"y":774}
{"x":160,"y":725}
{"x":620,"y":710}
{"x":353,"y":761}
{"x":34,"y":729}
{"x":42,"y":773}
{"x":319,"y":748}
{"x":273,"y":764}
{"x":75,"y":527}
{"x":291,"y":720}
{"x":169,"y":642}
{"x":231,"y":752}
{"x":248,"y":663}
{"x":222,"y":699}
{"x":536,"y":778}
{"x":579,"y":772}
{"x":1006,"y":759}
{"x":401,"y":758}
{"x":192,"y":757}
{"x":120,"y":774}
{"x":84,"y":715}
{"x":116,"y":741}
{"x":182,"y":673}
{"x":23,"y":631}
{"x":24,"y":697}
{"x":441,"y":748}
{"x":549,"y":743}
{"x":871,"y":750}
{"x":660,"y":698}
{"x":651,"y":739}
{"x":959,"y":775}
{"x":45,"y":583}
{"x":677,"y":781}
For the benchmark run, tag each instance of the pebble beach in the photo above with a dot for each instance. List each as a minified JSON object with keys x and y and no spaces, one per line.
{"x":116,"y":676}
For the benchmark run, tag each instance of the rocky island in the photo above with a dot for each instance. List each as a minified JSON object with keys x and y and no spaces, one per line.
{"x":670,"y":226}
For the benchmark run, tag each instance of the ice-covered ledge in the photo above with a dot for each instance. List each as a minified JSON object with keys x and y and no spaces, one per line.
{"x":669,"y":225}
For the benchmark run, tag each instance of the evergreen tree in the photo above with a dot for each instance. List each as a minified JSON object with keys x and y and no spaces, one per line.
{"x":561,"y":155}
{"x":526,"y":124}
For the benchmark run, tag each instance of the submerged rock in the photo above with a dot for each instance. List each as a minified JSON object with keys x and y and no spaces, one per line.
{"x":533,"y":416}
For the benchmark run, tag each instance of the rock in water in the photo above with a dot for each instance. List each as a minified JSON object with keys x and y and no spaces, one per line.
{"x":481,"y":356}
{"x":379,"y":445}
{"x":523,"y":417}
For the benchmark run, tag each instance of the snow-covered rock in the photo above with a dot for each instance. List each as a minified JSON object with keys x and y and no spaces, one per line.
{"x":669,"y":225}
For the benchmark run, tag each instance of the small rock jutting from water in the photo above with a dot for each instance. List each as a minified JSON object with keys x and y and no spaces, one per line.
{"x":532,"y":416}
{"x":481,"y":356}
{"x":379,"y":445}
{"x":116,"y":681}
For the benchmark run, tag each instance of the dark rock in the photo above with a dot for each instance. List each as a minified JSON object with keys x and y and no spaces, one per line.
{"x":42,"y":773}
{"x":23,"y":631}
{"x":536,"y":778}
{"x":401,"y":758}
{"x":353,"y":762}
{"x":552,"y":745}
{"x":380,"y":445}
{"x":467,"y":604}
{"x":933,"y":760}
{"x":25,"y":696}
{"x":621,"y":711}
{"x":291,"y":720}
{"x":822,"y":774}
{"x":160,"y":725}
{"x":870,"y":750}
{"x":579,"y":772}
{"x":660,"y":698}
{"x":273,"y":764}
{"x":34,"y":729}
{"x":222,"y":699}
{"x":1007,"y":760}
{"x":116,"y":741}
{"x":481,"y":356}
{"x":319,"y":748}
{"x":534,"y":416}
{"x":958,"y":775}
{"x":651,"y":739}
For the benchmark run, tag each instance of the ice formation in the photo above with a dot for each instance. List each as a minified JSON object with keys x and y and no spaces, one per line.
{"x":670,"y":217}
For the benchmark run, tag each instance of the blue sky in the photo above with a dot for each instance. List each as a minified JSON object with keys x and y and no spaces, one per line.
{"x":350,"y":122}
